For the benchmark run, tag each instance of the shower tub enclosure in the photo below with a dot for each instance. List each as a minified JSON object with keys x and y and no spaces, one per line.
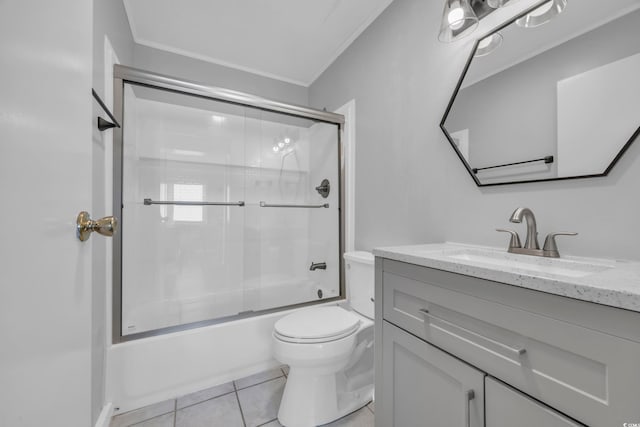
{"x":224,"y":200}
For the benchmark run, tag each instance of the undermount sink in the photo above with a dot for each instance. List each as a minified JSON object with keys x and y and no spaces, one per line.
{"x":493,"y":259}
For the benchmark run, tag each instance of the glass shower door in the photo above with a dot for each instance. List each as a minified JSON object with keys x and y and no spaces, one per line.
{"x":220,"y":213}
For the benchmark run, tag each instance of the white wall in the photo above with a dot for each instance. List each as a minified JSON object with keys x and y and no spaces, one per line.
{"x":45,"y":180}
{"x":412,"y":188}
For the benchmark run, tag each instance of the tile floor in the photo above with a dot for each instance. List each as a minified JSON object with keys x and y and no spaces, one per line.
{"x":248,"y":402}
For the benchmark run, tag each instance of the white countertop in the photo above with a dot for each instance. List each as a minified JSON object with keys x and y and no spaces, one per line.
{"x":610,"y":282}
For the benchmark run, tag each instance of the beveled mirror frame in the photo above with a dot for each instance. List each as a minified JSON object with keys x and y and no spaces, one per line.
{"x":455,"y":94}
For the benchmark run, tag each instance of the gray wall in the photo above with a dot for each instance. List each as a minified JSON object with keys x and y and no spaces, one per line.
{"x":411,"y":187}
{"x":512,"y":115}
{"x":110,"y":20}
{"x":164,"y":62}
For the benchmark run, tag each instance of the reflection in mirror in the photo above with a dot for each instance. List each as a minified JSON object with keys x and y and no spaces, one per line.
{"x":557,"y":101}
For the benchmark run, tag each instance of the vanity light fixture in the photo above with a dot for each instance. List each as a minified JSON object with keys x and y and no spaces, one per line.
{"x":458,"y":20}
{"x":488,"y":44}
{"x":461,"y":17}
{"x":542,"y":14}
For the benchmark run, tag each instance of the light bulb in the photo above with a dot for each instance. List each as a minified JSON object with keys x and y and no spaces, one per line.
{"x":485,"y":42}
{"x":456,"y":18}
{"x":280,"y":144}
{"x":287,"y":140}
{"x":275,"y":149}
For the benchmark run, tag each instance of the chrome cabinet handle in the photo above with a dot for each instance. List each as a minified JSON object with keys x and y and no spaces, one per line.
{"x":468,"y":397}
{"x":517,"y":351}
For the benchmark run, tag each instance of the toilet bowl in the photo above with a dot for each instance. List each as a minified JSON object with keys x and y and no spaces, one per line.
{"x":329,"y":351}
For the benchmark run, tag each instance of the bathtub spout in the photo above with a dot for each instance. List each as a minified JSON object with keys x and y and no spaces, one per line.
{"x":318,"y":266}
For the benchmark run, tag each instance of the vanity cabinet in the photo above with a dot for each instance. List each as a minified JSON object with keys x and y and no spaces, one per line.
{"x":558,"y":360}
{"x":427,"y":386}
{"x":507,"y":407}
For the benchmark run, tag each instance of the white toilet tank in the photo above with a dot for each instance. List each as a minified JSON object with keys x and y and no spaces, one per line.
{"x":359,"y":272}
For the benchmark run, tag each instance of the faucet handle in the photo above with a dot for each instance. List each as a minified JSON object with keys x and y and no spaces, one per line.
{"x":550,"y":247}
{"x":515,"y":239}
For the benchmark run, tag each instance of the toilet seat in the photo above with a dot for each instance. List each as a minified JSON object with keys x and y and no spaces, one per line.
{"x":317,"y":325}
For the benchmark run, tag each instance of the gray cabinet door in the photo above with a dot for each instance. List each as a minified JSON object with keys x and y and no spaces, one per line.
{"x":423,"y":386}
{"x":507,"y":407}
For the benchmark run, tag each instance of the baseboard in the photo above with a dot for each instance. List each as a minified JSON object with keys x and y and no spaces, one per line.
{"x":105,"y":415}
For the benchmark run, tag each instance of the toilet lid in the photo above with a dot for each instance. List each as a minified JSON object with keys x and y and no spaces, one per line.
{"x":317,"y":323}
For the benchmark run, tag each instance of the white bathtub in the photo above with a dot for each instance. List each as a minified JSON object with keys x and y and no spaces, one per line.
{"x":164,"y":313}
{"x":151,"y":370}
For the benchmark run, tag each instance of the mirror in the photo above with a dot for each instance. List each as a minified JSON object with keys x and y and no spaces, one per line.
{"x":555,"y":101}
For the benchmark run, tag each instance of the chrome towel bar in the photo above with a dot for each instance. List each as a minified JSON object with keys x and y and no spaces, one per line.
{"x":269,"y":205}
{"x":149,"y":202}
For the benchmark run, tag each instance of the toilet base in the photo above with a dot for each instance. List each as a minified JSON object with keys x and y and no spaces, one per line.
{"x":313,"y":400}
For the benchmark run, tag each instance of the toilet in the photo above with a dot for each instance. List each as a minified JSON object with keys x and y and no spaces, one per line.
{"x":329,"y":351}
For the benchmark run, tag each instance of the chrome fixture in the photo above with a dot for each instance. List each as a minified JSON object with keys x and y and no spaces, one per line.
{"x":488,"y":45}
{"x":461,"y":17}
{"x":85,"y":226}
{"x":318,"y":266}
{"x":149,"y":202}
{"x":324,"y":188}
{"x":531,"y":246}
{"x":515,"y":239}
{"x":550,"y":248}
{"x":543,"y":14}
{"x":458,"y":17}
{"x":270,"y":205}
{"x":531,"y":242}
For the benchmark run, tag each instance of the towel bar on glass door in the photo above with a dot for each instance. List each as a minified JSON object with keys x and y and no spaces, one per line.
{"x":149,"y":202}
{"x":269,"y":205}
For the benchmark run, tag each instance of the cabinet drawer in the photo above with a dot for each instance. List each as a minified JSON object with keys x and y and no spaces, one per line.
{"x":506,"y":407}
{"x":591,"y":376}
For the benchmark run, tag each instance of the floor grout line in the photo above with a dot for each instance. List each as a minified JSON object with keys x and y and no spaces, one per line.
{"x":202,"y":401}
{"x":270,"y":421}
{"x":262,"y":382}
{"x":244,"y":422}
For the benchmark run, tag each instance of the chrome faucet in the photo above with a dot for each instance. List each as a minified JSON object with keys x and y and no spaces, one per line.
{"x":531,"y":245}
{"x":318,"y":266}
{"x":531,"y":242}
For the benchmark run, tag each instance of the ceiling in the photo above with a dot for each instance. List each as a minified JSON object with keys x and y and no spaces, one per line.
{"x":289,"y":40}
